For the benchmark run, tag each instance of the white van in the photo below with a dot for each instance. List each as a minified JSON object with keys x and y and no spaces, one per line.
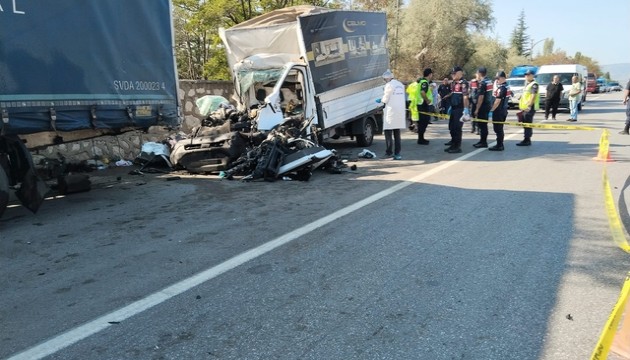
{"x":565,"y":71}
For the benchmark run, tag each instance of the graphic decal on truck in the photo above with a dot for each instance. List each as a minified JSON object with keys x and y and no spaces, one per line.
{"x":337,"y":39}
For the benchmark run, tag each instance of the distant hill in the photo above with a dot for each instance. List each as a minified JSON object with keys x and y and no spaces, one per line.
{"x":618,"y":72}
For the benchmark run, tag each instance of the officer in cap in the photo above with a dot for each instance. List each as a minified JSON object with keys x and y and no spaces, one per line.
{"x":459,"y":108}
{"x":528,"y":104}
{"x":484,"y":102}
{"x":499,"y":110}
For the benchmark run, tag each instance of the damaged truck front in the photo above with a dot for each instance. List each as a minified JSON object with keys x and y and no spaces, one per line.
{"x":76,"y":69}
{"x":319,"y":64}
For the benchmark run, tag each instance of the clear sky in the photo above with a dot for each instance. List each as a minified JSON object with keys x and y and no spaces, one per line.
{"x":599,"y":29}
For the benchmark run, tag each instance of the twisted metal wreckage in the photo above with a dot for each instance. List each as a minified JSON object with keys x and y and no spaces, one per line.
{"x":229,"y":143}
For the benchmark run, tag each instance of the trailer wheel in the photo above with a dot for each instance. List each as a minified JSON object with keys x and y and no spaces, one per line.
{"x":367,"y":136}
{"x":4,"y":191}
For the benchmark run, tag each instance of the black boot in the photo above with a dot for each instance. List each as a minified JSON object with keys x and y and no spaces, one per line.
{"x":626,"y":130}
{"x":481,"y":144}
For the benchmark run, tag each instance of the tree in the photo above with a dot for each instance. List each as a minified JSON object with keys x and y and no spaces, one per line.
{"x":548,"y":46}
{"x":488,"y":52}
{"x":200,"y":54}
{"x":561,"y":57}
{"x":436,"y":38}
{"x":519,"y":39}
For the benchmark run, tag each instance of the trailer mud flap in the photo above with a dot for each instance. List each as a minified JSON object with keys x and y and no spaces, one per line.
{"x":32,"y":189}
{"x":4,"y":191}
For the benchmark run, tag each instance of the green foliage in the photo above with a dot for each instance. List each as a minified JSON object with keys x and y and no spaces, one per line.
{"x":489,"y":52}
{"x":548,"y":46}
{"x":197,"y":46}
{"x":519,"y":39}
{"x":561,"y":57}
{"x":432,"y":37}
{"x":421,"y":34}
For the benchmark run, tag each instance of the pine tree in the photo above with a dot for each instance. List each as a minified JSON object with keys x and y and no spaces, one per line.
{"x":520,"y":40}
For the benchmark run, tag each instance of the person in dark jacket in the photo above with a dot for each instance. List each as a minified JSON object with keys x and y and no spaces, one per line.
{"x":554,"y":92}
{"x":444,"y":90}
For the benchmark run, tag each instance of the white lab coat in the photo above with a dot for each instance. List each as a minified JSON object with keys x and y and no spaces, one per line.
{"x":394,"y":112}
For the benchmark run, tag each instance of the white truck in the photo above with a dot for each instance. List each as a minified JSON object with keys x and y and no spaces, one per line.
{"x":319,"y":64}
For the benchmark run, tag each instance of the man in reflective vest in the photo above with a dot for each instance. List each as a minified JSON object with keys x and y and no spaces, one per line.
{"x":528,"y":104}
{"x":425,"y":100}
{"x":412,"y":101}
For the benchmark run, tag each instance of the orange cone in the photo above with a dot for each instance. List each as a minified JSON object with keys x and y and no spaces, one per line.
{"x":604,"y":154}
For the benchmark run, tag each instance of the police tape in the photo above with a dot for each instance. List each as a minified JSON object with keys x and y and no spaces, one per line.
{"x":521,"y":124}
{"x":613,"y":217}
{"x":611,"y":328}
{"x":608,"y":334}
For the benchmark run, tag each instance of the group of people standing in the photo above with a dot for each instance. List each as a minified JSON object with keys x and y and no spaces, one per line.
{"x":487,"y":100}
{"x":554,"y":93}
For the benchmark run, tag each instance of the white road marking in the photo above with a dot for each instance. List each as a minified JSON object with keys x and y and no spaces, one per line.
{"x":79,"y":333}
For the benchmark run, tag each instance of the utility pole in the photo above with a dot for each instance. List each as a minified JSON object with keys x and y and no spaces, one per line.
{"x":531,"y":49}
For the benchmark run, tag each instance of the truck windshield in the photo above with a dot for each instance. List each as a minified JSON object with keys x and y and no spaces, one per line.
{"x":544,"y":79}
{"x":247,"y":78}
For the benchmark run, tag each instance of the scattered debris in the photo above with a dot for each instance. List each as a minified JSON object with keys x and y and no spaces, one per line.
{"x":124,"y":163}
{"x":367,"y":154}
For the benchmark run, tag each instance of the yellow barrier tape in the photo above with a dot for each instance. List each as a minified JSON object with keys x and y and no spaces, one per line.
{"x":608,"y":334}
{"x":613,"y":217}
{"x":529,"y":125}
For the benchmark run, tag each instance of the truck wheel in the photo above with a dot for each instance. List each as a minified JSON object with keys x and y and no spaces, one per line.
{"x":367,"y":136}
{"x":4,"y":191}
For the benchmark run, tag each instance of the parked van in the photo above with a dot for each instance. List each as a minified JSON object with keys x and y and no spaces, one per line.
{"x":565,"y":71}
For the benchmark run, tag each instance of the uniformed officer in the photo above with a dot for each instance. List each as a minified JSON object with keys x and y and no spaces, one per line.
{"x":529,"y":103}
{"x":459,"y":108}
{"x":425,"y":101}
{"x":473,"y":93}
{"x":484,"y":103}
{"x":499,"y":110}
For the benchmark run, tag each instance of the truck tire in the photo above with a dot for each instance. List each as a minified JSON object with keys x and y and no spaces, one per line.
{"x":366,"y":137}
{"x":4,"y":191}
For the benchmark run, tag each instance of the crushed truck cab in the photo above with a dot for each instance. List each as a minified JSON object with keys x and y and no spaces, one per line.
{"x":313,"y":63}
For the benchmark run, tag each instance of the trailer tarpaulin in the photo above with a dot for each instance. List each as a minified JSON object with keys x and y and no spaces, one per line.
{"x":68,"y":65}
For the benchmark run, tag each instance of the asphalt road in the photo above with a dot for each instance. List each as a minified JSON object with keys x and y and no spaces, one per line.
{"x":480,"y":255}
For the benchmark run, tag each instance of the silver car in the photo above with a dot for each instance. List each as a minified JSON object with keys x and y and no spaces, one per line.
{"x":516,"y":86}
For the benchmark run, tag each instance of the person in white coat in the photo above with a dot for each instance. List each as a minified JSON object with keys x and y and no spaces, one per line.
{"x":393,"y":114}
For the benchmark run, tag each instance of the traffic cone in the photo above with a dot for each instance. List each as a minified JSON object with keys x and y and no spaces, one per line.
{"x":604,"y":154}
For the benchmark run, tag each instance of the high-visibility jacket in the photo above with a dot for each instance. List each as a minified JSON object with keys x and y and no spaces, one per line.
{"x":412,"y":96}
{"x":429,"y":92}
{"x":526,"y":98}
